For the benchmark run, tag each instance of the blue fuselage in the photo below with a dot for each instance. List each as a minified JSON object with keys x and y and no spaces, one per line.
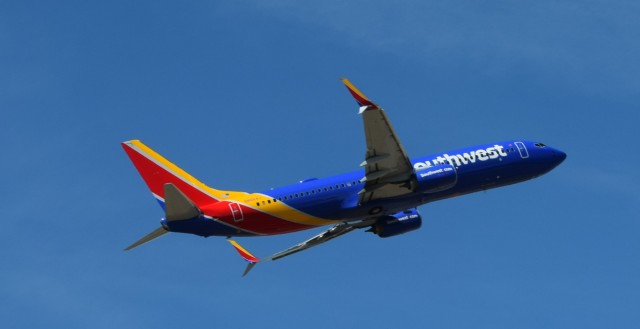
{"x":337,"y":198}
{"x":478,"y":168}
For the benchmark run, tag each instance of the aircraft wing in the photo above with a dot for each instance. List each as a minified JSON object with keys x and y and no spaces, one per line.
{"x":388,"y":170}
{"x":333,"y":232}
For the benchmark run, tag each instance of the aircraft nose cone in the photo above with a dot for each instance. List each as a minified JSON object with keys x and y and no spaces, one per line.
{"x":559,"y":156}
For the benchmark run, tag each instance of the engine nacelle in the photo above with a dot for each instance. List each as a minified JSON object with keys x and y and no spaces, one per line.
{"x":398,"y":223}
{"x":436,"y":178}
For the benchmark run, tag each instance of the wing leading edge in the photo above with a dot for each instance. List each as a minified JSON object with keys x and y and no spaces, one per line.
{"x":388,"y":170}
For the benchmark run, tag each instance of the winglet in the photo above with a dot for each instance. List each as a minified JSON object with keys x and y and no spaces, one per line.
{"x":253,"y":260}
{"x":362,"y":100}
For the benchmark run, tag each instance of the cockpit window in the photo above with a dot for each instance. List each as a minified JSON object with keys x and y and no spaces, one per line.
{"x":540,"y":145}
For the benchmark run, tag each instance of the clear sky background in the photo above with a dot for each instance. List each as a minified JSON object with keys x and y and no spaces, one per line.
{"x":245,"y":95}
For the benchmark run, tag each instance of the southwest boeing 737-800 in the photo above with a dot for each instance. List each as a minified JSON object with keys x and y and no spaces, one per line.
{"x":383,"y":196}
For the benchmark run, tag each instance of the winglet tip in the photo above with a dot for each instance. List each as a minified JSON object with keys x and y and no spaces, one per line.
{"x":360,"y":98}
{"x":244,"y":253}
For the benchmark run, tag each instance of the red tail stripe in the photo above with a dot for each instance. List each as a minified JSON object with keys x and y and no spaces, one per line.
{"x":156,"y":176}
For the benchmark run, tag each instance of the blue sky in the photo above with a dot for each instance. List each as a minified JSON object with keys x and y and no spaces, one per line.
{"x":245,"y":95}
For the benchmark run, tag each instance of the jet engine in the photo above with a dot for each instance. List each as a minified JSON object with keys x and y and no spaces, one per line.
{"x":396,"y":224}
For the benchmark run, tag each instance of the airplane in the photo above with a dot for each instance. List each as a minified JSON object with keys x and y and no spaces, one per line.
{"x":382,"y":197}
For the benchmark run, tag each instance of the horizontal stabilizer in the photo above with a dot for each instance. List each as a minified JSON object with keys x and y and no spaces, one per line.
{"x":155,"y":234}
{"x":177,"y":205}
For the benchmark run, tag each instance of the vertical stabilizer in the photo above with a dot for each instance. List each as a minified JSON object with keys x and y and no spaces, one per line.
{"x":156,"y":171}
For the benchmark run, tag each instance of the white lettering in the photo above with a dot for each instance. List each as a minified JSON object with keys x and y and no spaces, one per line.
{"x":471,"y":157}
{"x":492,"y":153}
{"x":482,"y":155}
{"x":461,"y":159}
{"x":431,"y":172}
{"x":422,"y":165}
{"x":452,"y":159}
